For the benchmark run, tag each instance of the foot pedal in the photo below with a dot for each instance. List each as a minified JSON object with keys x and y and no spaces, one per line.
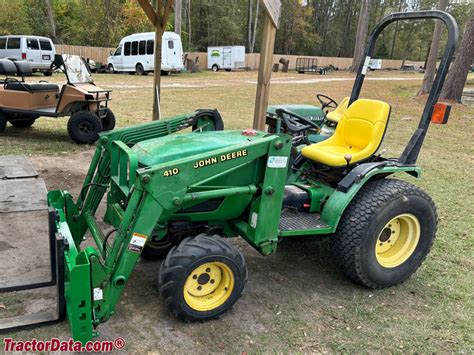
{"x":23,"y":198}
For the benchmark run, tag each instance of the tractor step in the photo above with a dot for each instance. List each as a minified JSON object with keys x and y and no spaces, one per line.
{"x":25,"y":220}
{"x":293,"y":220}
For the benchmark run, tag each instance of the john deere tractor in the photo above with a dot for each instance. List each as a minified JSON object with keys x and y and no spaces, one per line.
{"x":180,"y":196}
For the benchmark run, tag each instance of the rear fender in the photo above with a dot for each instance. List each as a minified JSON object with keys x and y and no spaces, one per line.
{"x":348,"y":187}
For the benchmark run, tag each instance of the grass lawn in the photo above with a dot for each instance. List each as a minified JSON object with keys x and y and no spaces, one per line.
{"x":297,"y":300}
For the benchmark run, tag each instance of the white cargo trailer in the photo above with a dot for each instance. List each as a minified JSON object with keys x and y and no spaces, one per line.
{"x":225,"y":58}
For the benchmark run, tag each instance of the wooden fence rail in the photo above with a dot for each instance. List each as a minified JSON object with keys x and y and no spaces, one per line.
{"x":100,"y":54}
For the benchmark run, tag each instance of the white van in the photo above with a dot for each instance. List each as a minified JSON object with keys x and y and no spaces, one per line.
{"x":135,"y":54}
{"x":38,"y":51}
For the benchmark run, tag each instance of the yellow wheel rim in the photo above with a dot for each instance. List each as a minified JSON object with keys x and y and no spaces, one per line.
{"x":398,"y":240}
{"x":208,"y":286}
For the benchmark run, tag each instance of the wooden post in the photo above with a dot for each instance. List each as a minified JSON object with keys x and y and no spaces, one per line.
{"x":158,"y":16}
{"x":266,"y":61}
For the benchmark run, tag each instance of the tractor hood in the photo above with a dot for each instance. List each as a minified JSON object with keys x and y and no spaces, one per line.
{"x":314,"y":113}
{"x":164,"y":149}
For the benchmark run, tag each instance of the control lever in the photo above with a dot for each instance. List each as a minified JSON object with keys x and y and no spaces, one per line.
{"x":347,"y":158}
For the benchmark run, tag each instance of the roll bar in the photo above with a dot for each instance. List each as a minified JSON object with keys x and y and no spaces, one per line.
{"x":410,"y":154}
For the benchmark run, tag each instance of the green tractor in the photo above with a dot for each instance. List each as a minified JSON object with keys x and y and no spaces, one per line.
{"x":180,"y":196}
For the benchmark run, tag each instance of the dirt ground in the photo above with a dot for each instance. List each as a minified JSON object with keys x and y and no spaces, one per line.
{"x":296,"y":300}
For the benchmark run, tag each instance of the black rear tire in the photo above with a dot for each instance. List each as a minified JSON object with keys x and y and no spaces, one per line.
{"x":192,"y":264}
{"x":108,"y":122}
{"x":48,"y":73}
{"x":84,"y":127}
{"x":3,"y":122}
{"x":364,"y":227}
{"x":139,"y":69}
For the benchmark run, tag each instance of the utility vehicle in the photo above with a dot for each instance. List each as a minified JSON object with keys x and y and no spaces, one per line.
{"x":181,"y":195}
{"x":22,"y":103}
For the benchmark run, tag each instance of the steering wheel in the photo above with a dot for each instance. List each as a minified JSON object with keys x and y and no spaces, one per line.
{"x":326,"y":101}
{"x":294,"y":122}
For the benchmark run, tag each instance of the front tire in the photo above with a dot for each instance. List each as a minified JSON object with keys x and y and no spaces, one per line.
{"x":108,"y":122}
{"x":385,"y":233}
{"x":202,"y":278}
{"x":84,"y":127}
{"x":215,"y":68}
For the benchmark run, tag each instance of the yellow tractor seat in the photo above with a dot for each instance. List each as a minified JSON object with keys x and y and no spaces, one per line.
{"x":335,"y":116}
{"x":359,"y":133}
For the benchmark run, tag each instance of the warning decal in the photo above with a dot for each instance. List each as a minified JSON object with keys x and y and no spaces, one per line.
{"x":277,"y":162}
{"x":137,"y":243}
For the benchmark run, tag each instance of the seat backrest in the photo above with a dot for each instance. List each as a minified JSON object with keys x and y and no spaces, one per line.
{"x":363,"y":124}
{"x":336,"y":115}
{"x":23,"y":68}
{"x":7,"y":67}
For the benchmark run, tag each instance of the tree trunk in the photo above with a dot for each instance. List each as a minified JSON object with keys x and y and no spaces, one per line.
{"x":249,"y":24}
{"x":254,"y":31}
{"x":178,"y":13}
{"x":430,"y":68}
{"x":189,"y":23}
{"x":394,"y":40}
{"x":457,"y":75}
{"x":50,"y":16}
{"x":361,"y":37}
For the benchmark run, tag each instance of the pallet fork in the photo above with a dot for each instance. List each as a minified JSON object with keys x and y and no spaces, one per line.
{"x":17,"y":174}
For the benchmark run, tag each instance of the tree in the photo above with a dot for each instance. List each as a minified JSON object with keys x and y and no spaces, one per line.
{"x":158,"y":16}
{"x":457,"y":75}
{"x":178,"y":14}
{"x":430,"y":68}
{"x":252,"y":24}
{"x":361,"y":37}
{"x":50,"y":17}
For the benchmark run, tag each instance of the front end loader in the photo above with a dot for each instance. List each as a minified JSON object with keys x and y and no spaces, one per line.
{"x":179,"y":196}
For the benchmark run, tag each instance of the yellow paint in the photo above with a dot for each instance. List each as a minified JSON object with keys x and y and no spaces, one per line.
{"x":208,"y":286}
{"x":359,"y":134}
{"x":398,"y":240}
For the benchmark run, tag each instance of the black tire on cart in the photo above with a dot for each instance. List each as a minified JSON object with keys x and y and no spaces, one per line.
{"x":23,"y":121}
{"x":385,"y":233}
{"x":3,"y":121}
{"x":84,"y":127}
{"x":202,"y":278}
{"x":108,"y":122}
